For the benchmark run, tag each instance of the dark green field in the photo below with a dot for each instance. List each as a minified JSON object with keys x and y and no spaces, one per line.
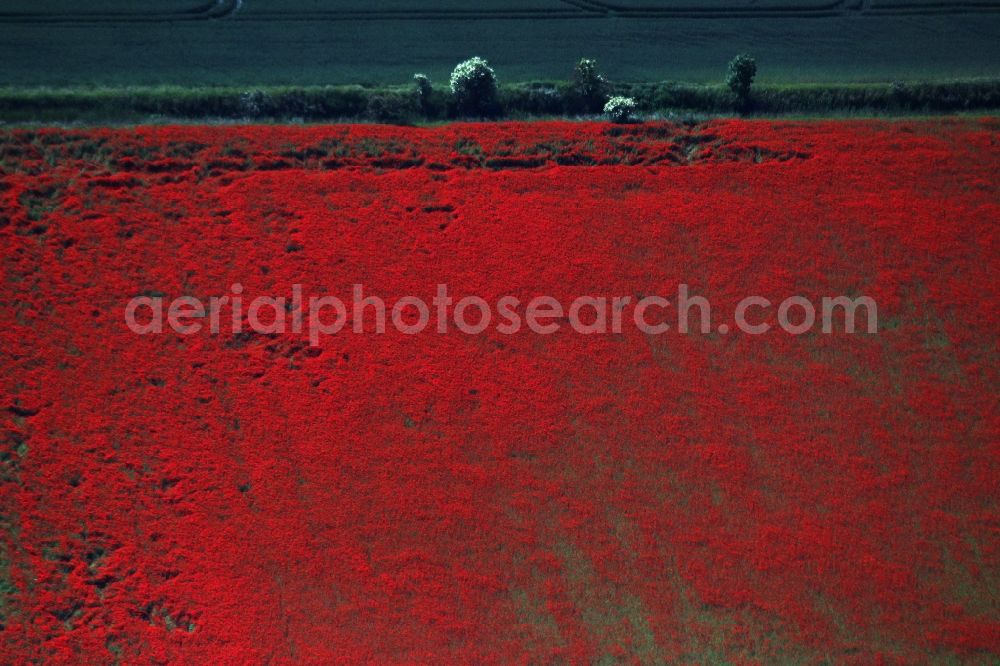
{"x":316,"y":42}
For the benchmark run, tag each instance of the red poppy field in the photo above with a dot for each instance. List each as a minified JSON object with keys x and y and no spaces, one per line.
{"x":692,"y":498}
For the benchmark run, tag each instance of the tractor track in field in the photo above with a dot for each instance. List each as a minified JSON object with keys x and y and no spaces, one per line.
{"x":216,"y":9}
{"x":791,"y":10}
{"x":574,"y":9}
{"x":597,"y":9}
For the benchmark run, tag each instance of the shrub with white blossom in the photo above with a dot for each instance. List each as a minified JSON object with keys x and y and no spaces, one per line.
{"x":474,"y":87}
{"x":620,"y":109}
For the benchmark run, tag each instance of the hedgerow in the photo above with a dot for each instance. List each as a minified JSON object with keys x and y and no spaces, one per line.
{"x":516,"y":100}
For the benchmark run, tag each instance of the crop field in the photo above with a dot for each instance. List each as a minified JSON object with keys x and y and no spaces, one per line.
{"x":311,"y":42}
{"x":702,"y":498}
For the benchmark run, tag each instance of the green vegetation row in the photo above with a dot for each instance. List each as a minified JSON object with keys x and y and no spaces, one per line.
{"x":430,"y":103}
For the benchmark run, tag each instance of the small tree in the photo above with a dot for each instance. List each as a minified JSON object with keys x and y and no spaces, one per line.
{"x":620,"y":110}
{"x":424,"y":92}
{"x":589,"y":85}
{"x":474,"y":87}
{"x":742,"y":70}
